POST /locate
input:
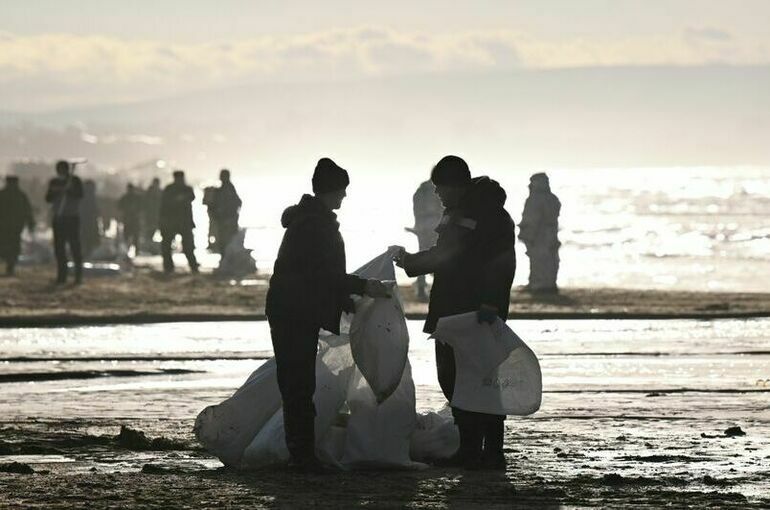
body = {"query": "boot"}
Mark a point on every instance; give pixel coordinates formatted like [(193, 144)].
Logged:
[(493, 458), (469, 452)]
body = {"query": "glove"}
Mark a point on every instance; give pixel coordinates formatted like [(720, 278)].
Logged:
[(398, 255), (486, 313), (376, 289)]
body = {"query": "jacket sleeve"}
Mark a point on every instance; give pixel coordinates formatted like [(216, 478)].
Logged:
[(451, 244)]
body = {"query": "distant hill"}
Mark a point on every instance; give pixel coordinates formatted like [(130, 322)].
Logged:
[(614, 116)]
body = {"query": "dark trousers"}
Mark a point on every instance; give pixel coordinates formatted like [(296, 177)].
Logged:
[(10, 247), (188, 248), (66, 231), (295, 344), (477, 430)]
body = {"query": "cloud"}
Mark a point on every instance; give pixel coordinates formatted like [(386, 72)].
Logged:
[(707, 34), (58, 70)]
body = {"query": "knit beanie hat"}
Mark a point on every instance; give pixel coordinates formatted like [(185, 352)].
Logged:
[(329, 177), (451, 171)]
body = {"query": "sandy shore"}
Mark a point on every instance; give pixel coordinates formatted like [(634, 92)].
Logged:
[(30, 299)]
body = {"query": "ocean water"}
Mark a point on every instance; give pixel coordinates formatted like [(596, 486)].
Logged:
[(661, 228)]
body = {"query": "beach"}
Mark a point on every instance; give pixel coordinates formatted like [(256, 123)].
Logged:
[(636, 413), (31, 299)]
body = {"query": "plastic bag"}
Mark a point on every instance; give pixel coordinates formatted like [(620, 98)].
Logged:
[(378, 335), (378, 434), (435, 436), (496, 372), (226, 429)]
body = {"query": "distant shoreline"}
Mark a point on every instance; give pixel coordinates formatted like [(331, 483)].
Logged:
[(72, 320)]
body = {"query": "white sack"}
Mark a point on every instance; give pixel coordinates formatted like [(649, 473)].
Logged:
[(496, 372), (378, 335), (435, 436), (334, 366), (226, 429), (378, 434)]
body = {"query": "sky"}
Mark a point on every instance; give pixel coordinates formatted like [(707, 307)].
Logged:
[(56, 54), (541, 82)]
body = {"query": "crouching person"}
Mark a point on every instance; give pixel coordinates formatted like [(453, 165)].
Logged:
[(308, 291), (473, 264)]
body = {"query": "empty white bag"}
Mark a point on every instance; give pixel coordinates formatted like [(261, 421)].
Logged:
[(378, 335), (496, 372)]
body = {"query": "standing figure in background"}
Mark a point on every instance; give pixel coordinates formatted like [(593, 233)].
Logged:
[(90, 237), (226, 207), (473, 264), (427, 215), (209, 200), (15, 214), (151, 213), (65, 191), (176, 219), (538, 231), (130, 207)]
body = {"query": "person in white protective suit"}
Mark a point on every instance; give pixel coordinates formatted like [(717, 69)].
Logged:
[(538, 231)]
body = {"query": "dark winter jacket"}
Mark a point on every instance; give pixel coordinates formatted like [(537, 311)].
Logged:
[(64, 194), (474, 261), (15, 212), (176, 208), (309, 281)]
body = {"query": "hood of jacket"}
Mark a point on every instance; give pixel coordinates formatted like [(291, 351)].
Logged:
[(308, 207), (484, 194)]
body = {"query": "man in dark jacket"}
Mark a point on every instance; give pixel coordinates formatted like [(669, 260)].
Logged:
[(473, 264), (308, 291), (226, 207), (65, 191), (151, 213), (130, 207), (15, 214), (176, 219)]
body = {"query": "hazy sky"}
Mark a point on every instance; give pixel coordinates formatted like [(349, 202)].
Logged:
[(59, 54)]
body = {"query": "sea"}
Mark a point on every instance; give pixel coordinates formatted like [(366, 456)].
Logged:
[(702, 229)]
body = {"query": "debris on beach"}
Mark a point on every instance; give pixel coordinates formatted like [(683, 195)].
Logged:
[(18, 468), (729, 432), (132, 439)]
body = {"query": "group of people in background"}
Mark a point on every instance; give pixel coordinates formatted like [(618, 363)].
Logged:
[(141, 214)]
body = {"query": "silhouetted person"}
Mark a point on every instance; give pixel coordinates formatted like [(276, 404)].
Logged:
[(538, 231), (176, 219), (308, 291), (90, 237), (130, 206), (65, 191), (15, 214), (473, 264), (209, 200), (427, 215), (151, 211), (226, 207)]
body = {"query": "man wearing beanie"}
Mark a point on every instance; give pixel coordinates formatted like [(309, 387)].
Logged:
[(473, 264), (308, 291)]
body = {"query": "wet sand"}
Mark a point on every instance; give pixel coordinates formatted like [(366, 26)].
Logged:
[(635, 415), (148, 296)]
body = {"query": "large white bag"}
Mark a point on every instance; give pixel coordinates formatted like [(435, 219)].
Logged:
[(334, 366), (228, 428), (435, 436), (378, 335), (378, 434), (496, 372)]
